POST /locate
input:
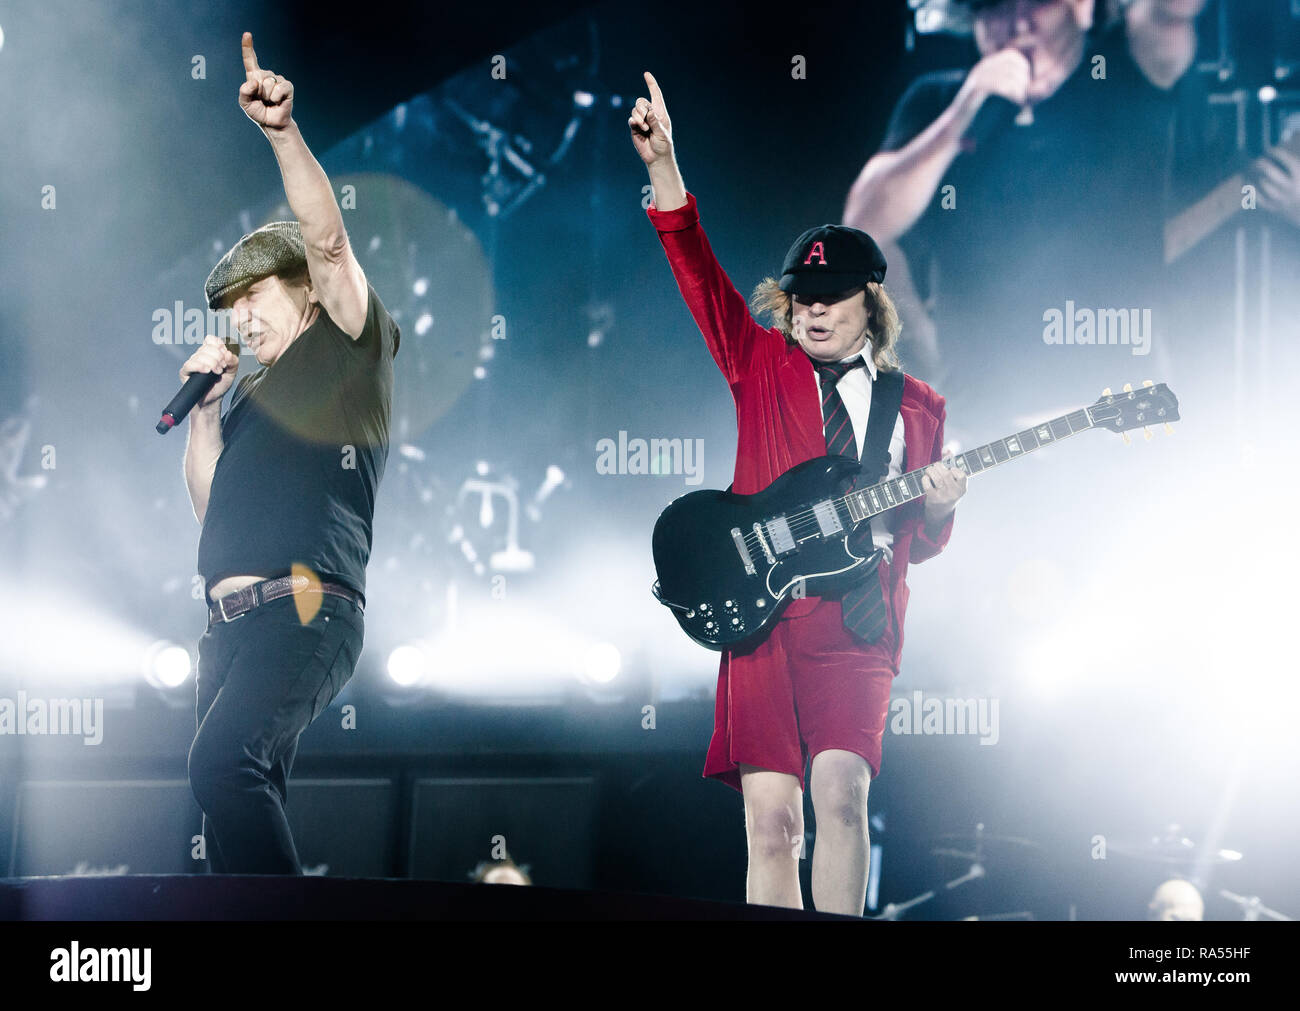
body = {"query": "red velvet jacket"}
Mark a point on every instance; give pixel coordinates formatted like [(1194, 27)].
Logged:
[(778, 408)]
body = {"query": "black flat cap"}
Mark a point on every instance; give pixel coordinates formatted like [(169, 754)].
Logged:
[(276, 248)]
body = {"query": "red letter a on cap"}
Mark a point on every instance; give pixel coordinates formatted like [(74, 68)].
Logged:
[(818, 252)]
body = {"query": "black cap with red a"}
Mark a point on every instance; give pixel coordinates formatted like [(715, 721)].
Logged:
[(831, 259)]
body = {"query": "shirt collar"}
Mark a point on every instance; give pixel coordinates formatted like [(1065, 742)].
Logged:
[(868, 364)]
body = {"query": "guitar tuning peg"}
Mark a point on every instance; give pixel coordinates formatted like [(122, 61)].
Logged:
[(1169, 429), (1128, 387), (1147, 382), (1127, 440), (1106, 392), (1147, 432)]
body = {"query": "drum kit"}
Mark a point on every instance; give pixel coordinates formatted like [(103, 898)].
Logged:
[(1181, 865)]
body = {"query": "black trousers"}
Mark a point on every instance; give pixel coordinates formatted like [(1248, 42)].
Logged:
[(262, 679)]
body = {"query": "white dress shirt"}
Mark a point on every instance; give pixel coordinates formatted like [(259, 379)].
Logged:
[(855, 390)]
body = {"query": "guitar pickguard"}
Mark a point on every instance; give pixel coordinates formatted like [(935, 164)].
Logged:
[(813, 580)]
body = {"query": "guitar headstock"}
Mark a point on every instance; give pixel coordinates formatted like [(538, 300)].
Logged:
[(1151, 404)]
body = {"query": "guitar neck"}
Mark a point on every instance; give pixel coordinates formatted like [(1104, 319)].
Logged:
[(864, 503)]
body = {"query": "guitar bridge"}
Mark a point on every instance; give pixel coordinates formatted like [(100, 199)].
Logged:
[(743, 548)]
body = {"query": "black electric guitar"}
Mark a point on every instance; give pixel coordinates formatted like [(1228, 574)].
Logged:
[(728, 564)]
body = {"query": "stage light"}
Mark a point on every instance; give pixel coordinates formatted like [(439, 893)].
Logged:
[(423, 323), (602, 663), (420, 287), (167, 665), (504, 652), (583, 99), (2, 38), (1267, 94), (407, 665), (66, 639)]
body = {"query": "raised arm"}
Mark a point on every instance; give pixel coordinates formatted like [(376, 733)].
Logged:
[(340, 283), (894, 187), (719, 310)]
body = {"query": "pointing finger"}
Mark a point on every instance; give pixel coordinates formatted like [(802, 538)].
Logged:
[(250, 57), (656, 95)]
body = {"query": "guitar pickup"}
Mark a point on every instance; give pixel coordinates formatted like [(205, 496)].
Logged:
[(745, 557), (779, 532), (827, 518)]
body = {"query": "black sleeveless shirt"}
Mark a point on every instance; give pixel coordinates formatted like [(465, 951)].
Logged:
[(305, 443)]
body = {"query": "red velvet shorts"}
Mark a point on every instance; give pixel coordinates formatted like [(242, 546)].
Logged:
[(810, 686)]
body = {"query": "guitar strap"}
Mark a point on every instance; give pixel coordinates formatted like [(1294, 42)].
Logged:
[(863, 604), (886, 398)]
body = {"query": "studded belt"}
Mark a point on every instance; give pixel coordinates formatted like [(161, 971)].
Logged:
[(239, 603)]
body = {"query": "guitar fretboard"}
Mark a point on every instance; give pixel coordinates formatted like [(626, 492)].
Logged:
[(878, 498)]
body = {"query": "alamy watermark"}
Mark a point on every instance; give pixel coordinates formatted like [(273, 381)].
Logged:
[(651, 456), (943, 714), (62, 717), (1081, 325), (175, 324)]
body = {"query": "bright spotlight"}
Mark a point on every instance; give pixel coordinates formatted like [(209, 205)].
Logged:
[(602, 663), (407, 665), (167, 665), (2, 38)]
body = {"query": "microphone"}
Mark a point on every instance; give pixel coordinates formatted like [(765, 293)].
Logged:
[(194, 390), (1026, 115)]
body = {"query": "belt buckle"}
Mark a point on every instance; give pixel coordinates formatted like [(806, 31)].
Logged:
[(221, 606)]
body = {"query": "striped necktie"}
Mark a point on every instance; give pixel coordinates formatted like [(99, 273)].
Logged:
[(864, 604)]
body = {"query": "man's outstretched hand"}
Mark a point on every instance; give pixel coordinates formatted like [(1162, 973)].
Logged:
[(265, 98), (652, 131)]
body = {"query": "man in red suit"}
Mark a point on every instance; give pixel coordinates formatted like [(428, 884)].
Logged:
[(817, 687)]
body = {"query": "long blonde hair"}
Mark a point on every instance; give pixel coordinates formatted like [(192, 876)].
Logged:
[(883, 324)]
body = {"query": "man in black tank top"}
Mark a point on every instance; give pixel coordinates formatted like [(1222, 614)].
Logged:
[(284, 485)]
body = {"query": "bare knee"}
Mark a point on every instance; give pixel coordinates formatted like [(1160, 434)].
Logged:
[(773, 816), (840, 781)]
